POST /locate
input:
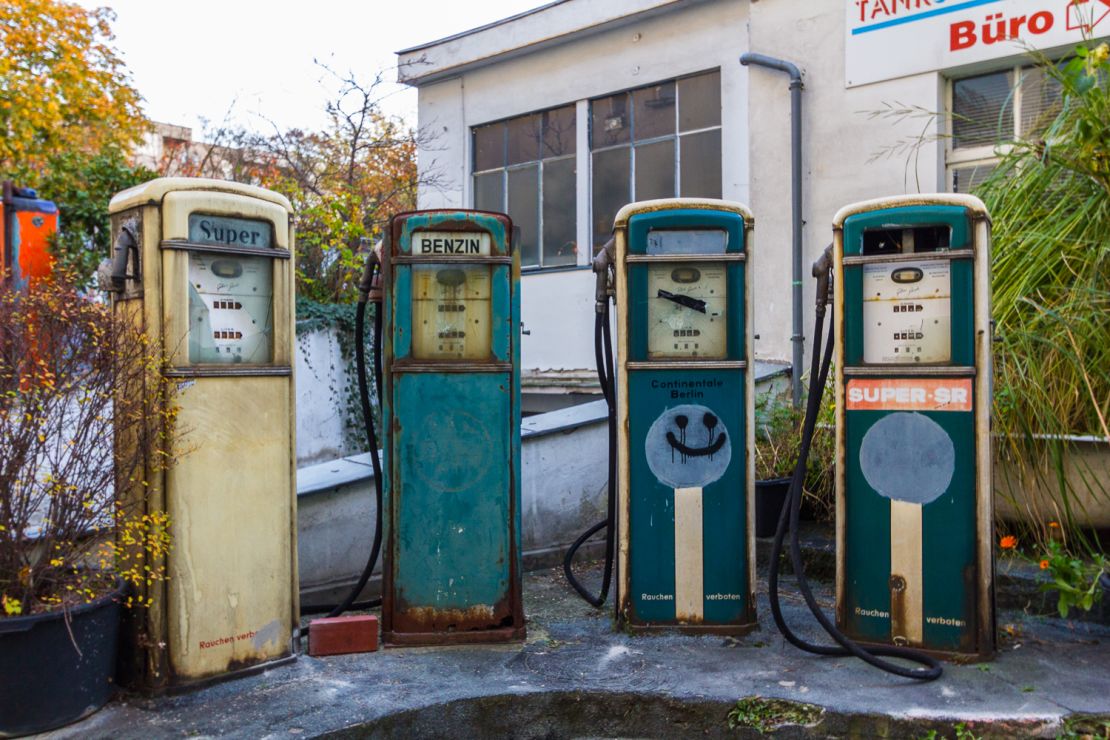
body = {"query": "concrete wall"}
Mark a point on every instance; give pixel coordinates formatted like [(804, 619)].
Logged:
[(320, 375)]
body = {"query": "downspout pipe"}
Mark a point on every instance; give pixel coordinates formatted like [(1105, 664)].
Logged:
[(797, 337)]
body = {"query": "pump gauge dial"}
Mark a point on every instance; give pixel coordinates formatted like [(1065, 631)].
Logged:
[(687, 310), (451, 312)]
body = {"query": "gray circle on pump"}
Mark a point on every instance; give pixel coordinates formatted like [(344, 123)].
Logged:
[(699, 430), (907, 457)]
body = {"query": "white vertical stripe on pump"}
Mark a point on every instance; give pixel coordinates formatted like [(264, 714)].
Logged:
[(689, 598), (906, 604)]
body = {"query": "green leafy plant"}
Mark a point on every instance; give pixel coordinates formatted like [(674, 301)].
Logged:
[(766, 715), (1049, 198), (778, 438), (1074, 580)]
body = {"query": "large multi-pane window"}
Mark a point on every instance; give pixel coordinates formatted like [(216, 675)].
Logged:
[(989, 112), (525, 167), (659, 141)]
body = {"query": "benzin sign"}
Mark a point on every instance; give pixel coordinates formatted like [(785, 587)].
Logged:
[(451, 242), (887, 39)]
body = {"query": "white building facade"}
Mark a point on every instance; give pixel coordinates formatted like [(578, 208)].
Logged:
[(560, 115)]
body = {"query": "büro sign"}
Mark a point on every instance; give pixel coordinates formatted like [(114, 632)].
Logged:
[(887, 39)]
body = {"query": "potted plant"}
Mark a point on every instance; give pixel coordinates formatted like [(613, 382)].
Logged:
[(71, 376), (778, 441)]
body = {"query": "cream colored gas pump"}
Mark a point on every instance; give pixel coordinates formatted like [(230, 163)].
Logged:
[(206, 266)]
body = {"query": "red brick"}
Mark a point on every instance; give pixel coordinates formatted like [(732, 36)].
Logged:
[(340, 635)]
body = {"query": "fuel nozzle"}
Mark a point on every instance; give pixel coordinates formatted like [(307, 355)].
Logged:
[(603, 268), (370, 286), (822, 270)]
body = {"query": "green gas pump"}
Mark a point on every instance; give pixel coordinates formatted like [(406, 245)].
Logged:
[(451, 420), (684, 411), (913, 397)]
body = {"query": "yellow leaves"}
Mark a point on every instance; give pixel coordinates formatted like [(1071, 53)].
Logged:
[(12, 606), (57, 562)]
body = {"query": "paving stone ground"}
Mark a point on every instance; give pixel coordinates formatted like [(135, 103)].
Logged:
[(575, 677)]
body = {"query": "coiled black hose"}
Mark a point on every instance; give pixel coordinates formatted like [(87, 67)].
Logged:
[(789, 520), (603, 358), (334, 610)]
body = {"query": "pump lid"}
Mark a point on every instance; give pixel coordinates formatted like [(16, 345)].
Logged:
[(668, 204), (962, 200), (153, 191)]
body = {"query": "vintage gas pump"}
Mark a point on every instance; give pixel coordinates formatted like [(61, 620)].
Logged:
[(26, 224), (684, 398), (913, 398), (451, 415), (206, 266)]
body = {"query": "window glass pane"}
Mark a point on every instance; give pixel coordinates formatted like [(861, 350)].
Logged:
[(489, 147), (610, 190), (700, 165), (524, 139), (559, 213), (654, 111), (699, 101), (655, 170), (983, 110), (488, 193), (1041, 101), (968, 177), (610, 123), (558, 132), (524, 210)]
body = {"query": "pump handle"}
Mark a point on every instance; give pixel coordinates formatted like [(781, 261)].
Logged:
[(603, 266)]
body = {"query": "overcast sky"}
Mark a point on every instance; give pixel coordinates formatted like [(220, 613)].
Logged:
[(202, 58)]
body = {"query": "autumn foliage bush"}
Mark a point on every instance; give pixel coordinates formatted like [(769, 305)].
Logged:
[(84, 413)]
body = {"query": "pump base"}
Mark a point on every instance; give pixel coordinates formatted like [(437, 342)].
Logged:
[(734, 630), (419, 639), (947, 656)]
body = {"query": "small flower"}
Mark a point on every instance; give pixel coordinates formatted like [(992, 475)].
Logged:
[(1009, 542), (1056, 525), (1044, 565)]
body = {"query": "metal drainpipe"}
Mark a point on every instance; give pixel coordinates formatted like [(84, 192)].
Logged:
[(798, 337)]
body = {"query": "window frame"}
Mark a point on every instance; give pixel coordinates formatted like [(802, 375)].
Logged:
[(676, 136), (505, 169), (990, 154)]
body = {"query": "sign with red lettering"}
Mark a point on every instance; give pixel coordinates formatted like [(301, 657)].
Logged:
[(908, 394), (887, 39)]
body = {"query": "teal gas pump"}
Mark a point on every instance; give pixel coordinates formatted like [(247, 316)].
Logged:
[(910, 278), (913, 385), (451, 420), (683, 396)]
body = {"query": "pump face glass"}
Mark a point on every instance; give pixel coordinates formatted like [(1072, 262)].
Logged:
[(907, 312), (687, 304), (451, 312), (230, 308)]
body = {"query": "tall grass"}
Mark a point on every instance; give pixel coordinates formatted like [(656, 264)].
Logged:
[(1049, 199)]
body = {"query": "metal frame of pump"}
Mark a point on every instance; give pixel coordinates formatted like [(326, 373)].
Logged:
[(686, 215)]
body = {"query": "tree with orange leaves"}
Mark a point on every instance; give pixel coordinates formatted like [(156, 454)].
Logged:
[(63, 88)]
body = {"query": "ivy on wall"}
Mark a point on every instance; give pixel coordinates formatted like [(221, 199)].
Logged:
[(343, 381)]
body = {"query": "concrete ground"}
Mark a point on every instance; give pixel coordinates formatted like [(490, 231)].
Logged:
[(575, 677)]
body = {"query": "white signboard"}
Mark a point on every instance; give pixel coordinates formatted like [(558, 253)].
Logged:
[(451, 242), (886, 39)]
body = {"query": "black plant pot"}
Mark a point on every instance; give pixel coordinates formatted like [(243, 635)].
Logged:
[(1103, 606), (52, 674), (770, 497)]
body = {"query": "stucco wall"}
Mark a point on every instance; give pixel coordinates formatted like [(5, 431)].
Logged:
[(557, 308), (840, 138)]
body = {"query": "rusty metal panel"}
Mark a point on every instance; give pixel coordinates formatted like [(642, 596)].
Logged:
[(451, 410)]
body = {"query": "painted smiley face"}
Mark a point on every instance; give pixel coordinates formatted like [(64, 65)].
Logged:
[(688, 446)]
